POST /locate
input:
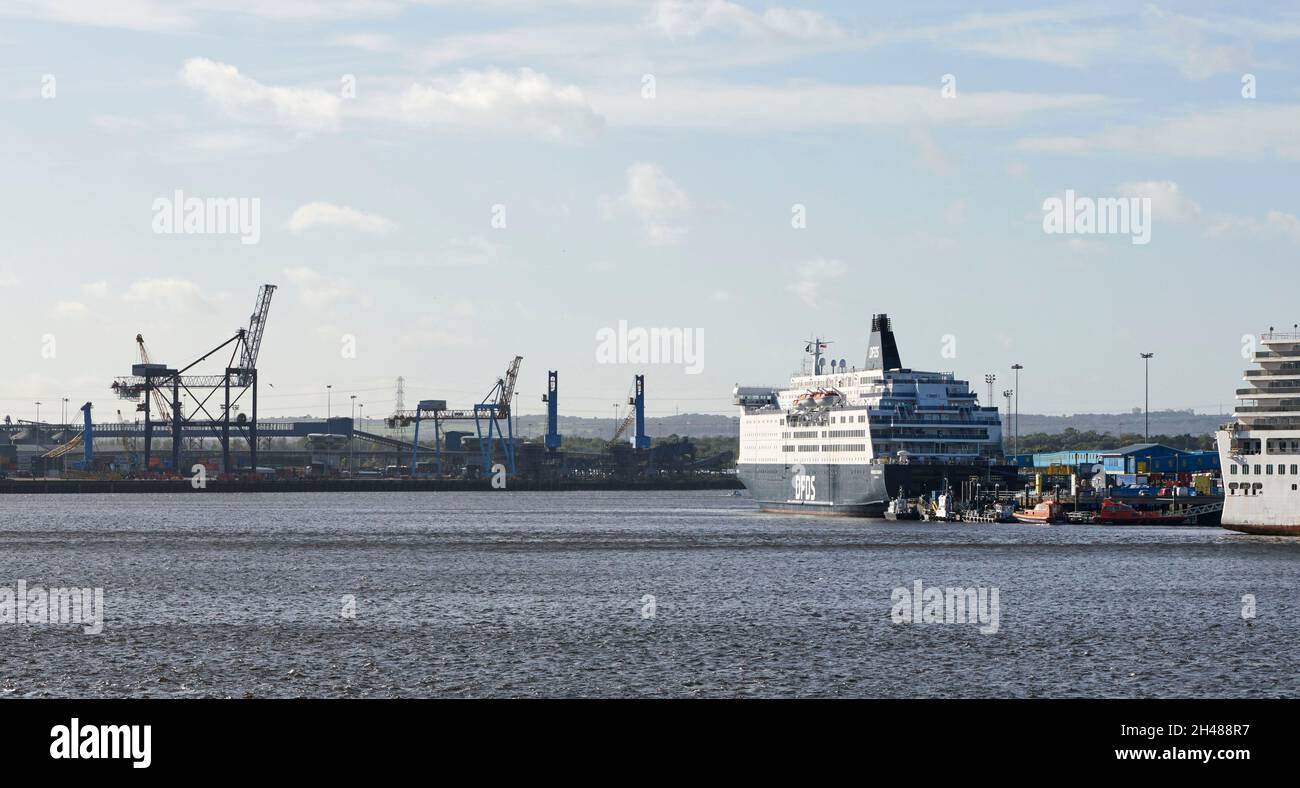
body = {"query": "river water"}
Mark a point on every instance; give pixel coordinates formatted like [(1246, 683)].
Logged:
[(658, 594)]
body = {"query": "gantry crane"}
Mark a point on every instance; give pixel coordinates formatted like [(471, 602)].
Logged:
[(159, 401), (489, 412), (148, 378)]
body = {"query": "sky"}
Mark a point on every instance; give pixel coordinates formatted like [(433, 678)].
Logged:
[(441, 185)]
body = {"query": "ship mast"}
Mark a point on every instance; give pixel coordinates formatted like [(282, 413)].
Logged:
[(814, 347)]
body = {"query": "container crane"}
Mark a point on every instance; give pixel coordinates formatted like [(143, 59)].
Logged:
[(487, 413), (159, 401), (147, 378)]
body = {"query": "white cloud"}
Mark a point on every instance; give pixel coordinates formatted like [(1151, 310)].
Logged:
[(7, 279), (69, 308), (693, 17), (656, 201), (1285, 223), (1274, 222), (1249, 131), (368, 42), (220, 142), (157, 16), (117, 124), (169, 16), (812, 274), (1168, 204), (246, 98), (475, 250), (799, 106), (500, 102), (177, 294), (329, 215), (1184, 42), (320, 291), (95, 289)]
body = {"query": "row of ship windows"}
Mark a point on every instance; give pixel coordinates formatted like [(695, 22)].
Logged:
[(1247, 488), (842, 420), (828, 447), (824, 434), (1268, 470), (1275, 446)]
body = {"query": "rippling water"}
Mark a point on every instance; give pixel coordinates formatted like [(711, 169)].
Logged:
[(541, 594)]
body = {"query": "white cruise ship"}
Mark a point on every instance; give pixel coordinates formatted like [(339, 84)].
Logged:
[(844, 441), (1259, 450)]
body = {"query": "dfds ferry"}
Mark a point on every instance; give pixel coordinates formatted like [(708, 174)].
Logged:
[(845, 440)]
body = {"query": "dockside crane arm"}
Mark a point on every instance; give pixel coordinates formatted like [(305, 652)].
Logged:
[(256, 325)]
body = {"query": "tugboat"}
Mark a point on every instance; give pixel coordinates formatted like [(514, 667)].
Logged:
[(1116, 513), (901, 508), (1045, 513), (943, 509)]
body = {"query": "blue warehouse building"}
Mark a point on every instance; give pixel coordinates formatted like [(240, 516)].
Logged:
[(1132, 459), (1157, 458)]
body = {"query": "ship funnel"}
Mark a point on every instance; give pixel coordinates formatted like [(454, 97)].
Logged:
[(882, 350)]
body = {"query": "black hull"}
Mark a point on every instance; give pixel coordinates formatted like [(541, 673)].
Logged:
[(855, 490)]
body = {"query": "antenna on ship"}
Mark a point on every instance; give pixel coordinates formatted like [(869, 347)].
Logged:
[(814, 348)]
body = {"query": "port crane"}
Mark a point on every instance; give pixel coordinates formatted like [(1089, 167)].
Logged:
[(489, 413), (159, 400), (148, 378), (635, 415)]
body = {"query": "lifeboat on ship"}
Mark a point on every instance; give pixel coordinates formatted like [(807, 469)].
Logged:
[(827, 397)]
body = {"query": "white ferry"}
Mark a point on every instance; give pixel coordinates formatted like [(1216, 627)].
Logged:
[(1259, 450), (845, 440)]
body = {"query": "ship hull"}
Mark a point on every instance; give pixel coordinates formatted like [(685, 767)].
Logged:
[(1263, 530), (852, 490), (1263, 506)]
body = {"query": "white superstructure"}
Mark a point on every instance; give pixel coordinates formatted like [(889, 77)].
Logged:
[(1259, 450), (882, 413)]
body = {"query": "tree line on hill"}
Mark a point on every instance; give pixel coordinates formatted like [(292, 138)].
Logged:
[(1074, 440)]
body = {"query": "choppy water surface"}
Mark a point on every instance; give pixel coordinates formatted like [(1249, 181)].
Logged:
[(541, 594)]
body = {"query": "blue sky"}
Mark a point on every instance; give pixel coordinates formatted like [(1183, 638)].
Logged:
[(665, 210)]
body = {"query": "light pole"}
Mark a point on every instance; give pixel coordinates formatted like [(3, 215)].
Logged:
[(352, 439), (1016, 432), (1146, 405), (65, 410), (989, 379), (38, 416), (1008, 394), (329, 398)]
